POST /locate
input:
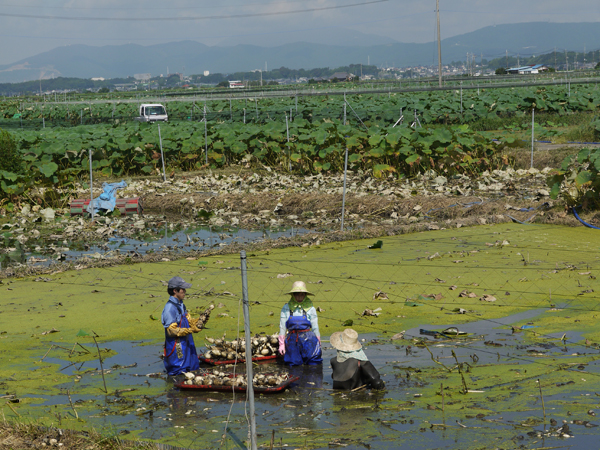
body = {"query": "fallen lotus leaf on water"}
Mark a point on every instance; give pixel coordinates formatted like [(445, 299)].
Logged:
[(380, 295), (398, 336), (377, 244), (369, 312), (468, 294), (53, 330)]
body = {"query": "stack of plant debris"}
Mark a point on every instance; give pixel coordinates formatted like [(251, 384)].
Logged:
[(219, 378), (223, 350)]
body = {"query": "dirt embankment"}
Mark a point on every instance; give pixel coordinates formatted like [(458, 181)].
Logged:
[(373, 208)]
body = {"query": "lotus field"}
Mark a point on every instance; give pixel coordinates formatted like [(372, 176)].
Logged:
[(312, 140), (433, 107)]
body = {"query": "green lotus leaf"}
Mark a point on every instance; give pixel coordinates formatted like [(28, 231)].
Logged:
[(48, 169), (584, 178)]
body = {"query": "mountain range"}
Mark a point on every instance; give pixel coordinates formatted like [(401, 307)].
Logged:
[(343, 48)]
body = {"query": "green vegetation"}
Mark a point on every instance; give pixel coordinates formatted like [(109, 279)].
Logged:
[(10, 158), (578, 179), (317, 138)]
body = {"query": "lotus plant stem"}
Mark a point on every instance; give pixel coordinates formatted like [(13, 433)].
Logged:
[(91, 187), (532, 133), (13, 409), (542, 397), (51, 347), (344, 190), (86, 350), (466, 389), (436, 361), (101, 367), (162, 156), (442, 391), (72, 407)]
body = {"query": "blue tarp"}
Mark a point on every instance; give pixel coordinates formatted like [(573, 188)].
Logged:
[(107, 201)]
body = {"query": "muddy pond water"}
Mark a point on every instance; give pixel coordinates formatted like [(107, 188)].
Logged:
[(311, 415), (527, 366), (152, 241)]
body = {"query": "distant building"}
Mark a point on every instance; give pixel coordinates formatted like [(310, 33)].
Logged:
[(532, 69), (341, 76), (206, 73), (142, 76), (236, 85), (98, 79)]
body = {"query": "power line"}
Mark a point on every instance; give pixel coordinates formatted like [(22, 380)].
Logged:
[(188, 18), (146, 8)]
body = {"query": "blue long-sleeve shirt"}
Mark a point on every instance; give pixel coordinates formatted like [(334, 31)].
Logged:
[(173, 312), (311, 315)]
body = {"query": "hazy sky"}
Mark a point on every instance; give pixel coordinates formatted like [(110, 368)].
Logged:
[(28, 27)]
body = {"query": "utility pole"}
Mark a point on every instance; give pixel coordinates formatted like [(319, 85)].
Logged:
[(554, 58), (437, 7), (507, 59)]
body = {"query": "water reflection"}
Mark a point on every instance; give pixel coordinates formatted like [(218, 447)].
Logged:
[(156, 240)]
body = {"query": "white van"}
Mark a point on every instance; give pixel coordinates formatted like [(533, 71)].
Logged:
[(152, 112)]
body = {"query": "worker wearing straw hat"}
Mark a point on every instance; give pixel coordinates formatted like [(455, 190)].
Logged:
[(299, 337), (351, 367)]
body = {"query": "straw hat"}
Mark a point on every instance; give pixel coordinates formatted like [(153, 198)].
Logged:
[(299, 286), (346, 341)]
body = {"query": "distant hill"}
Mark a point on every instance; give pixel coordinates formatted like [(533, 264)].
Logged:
[(117, 61)]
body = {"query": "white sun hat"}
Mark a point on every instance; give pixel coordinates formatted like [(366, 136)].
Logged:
[(346, 341), (299, 286)]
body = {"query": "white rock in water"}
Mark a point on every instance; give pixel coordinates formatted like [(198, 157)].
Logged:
[(25, 210), (139, 225)]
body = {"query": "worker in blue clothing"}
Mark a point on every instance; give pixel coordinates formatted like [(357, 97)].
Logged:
[(299, 337), (179, 351)]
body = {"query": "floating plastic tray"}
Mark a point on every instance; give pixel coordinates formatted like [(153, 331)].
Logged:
[(217, 362), (450, 333), (261, 389)]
